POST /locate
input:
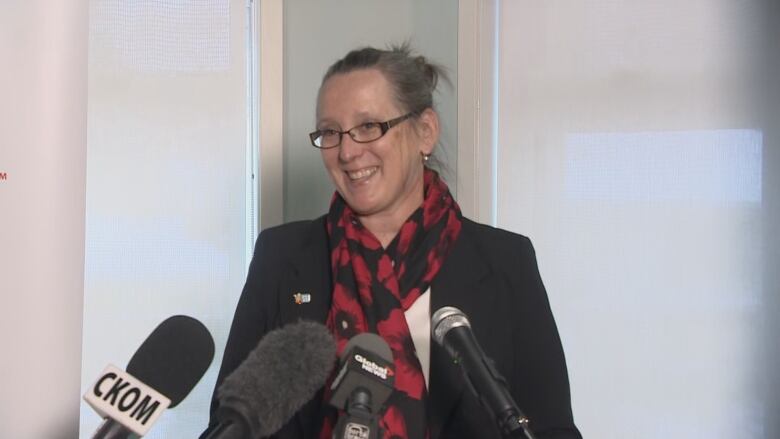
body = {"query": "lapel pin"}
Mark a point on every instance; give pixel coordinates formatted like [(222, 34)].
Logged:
[(301, 298)]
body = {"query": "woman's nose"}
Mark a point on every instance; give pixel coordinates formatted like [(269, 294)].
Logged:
[(349, 149)]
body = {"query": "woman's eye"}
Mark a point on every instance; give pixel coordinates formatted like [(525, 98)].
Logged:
[(368, 128), (328, 133)]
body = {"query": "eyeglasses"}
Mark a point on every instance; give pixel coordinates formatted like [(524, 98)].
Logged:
[(363, 133)]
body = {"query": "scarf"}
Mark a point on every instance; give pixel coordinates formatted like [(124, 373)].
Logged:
[(374, 286)]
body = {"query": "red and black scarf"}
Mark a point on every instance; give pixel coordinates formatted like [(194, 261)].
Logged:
[(374, 286)]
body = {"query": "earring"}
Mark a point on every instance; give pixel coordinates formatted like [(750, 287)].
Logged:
[(425, 157)]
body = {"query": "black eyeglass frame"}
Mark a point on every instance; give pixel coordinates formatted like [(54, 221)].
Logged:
[(384, 127)]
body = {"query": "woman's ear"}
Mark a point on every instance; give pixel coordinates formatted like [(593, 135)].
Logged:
[(429, 130)]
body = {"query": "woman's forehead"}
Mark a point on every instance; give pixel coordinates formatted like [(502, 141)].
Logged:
[(358, 93)]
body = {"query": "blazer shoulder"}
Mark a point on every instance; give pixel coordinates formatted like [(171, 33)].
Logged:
[(498, 242), (290, 237), (277, 249)]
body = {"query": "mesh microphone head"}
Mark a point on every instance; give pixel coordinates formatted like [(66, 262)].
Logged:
[(445, 319), (279, 376), (174, 357)]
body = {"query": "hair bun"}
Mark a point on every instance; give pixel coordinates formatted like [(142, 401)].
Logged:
[(429, 71)]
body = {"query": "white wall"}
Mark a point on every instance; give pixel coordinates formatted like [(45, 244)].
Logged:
[(43, 131), (166, 183), (316, 34), (638, 148), (768, 105)]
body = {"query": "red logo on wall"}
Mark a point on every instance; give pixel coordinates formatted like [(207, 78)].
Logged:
[(3, 176)]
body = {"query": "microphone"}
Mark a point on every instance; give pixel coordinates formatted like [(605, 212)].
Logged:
[(363, 384), (161, 373), (450, 328), (280, 375)]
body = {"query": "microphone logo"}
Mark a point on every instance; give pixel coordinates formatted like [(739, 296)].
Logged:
[(356, 431), (122, 397), (373, 368)]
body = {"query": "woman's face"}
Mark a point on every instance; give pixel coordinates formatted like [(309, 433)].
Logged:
[(383, 176)]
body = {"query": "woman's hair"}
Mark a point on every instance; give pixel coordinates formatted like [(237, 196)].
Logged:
[(412, 77)]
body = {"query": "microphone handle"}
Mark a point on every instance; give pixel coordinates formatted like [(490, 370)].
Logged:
[(359, 421), (229, 430), (351, 426), (487, 382), (110, 429)]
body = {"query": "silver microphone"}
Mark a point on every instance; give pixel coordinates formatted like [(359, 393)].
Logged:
[(451, 329)]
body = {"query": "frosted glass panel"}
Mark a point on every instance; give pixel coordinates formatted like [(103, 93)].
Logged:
[(635, 149), (166, 183), (171, 35), (722, 166)]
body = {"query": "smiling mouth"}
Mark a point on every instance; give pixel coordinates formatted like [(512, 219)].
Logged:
[(362, 174)]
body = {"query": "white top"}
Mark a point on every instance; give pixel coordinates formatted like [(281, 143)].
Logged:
[(418, 318)]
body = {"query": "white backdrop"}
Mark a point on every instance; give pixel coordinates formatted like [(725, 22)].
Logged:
[(166, 183), (43, 132), (634, 148)]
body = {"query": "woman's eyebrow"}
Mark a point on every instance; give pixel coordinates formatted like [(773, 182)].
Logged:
[(365, 115), (361, 116), (325, 121)]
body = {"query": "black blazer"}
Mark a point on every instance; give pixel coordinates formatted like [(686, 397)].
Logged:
[(491, 275)]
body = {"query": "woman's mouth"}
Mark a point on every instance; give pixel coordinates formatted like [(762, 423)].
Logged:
[(362, 174)]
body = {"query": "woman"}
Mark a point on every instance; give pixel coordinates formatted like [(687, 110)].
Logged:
[(393, 248)]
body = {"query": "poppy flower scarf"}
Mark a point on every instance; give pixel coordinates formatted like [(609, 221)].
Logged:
[(373, 287)]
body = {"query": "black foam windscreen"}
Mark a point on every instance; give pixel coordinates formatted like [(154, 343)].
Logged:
[(174, 357), (288, 366)]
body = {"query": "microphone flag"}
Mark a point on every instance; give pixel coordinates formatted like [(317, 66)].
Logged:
[(120, 396)]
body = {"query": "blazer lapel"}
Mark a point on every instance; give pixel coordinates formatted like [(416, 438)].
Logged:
[(305, 294), (305, 290), (457, 284)]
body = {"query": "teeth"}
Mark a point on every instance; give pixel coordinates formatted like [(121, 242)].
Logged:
[(362, 173)]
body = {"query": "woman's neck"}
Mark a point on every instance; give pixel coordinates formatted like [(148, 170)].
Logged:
[(384, 229), (386, 225)]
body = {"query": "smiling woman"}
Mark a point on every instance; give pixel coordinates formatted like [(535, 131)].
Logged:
[(380, 180), (392, 248)]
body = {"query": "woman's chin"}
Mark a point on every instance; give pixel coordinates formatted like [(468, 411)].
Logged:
[(361, 198), (362, 207)]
